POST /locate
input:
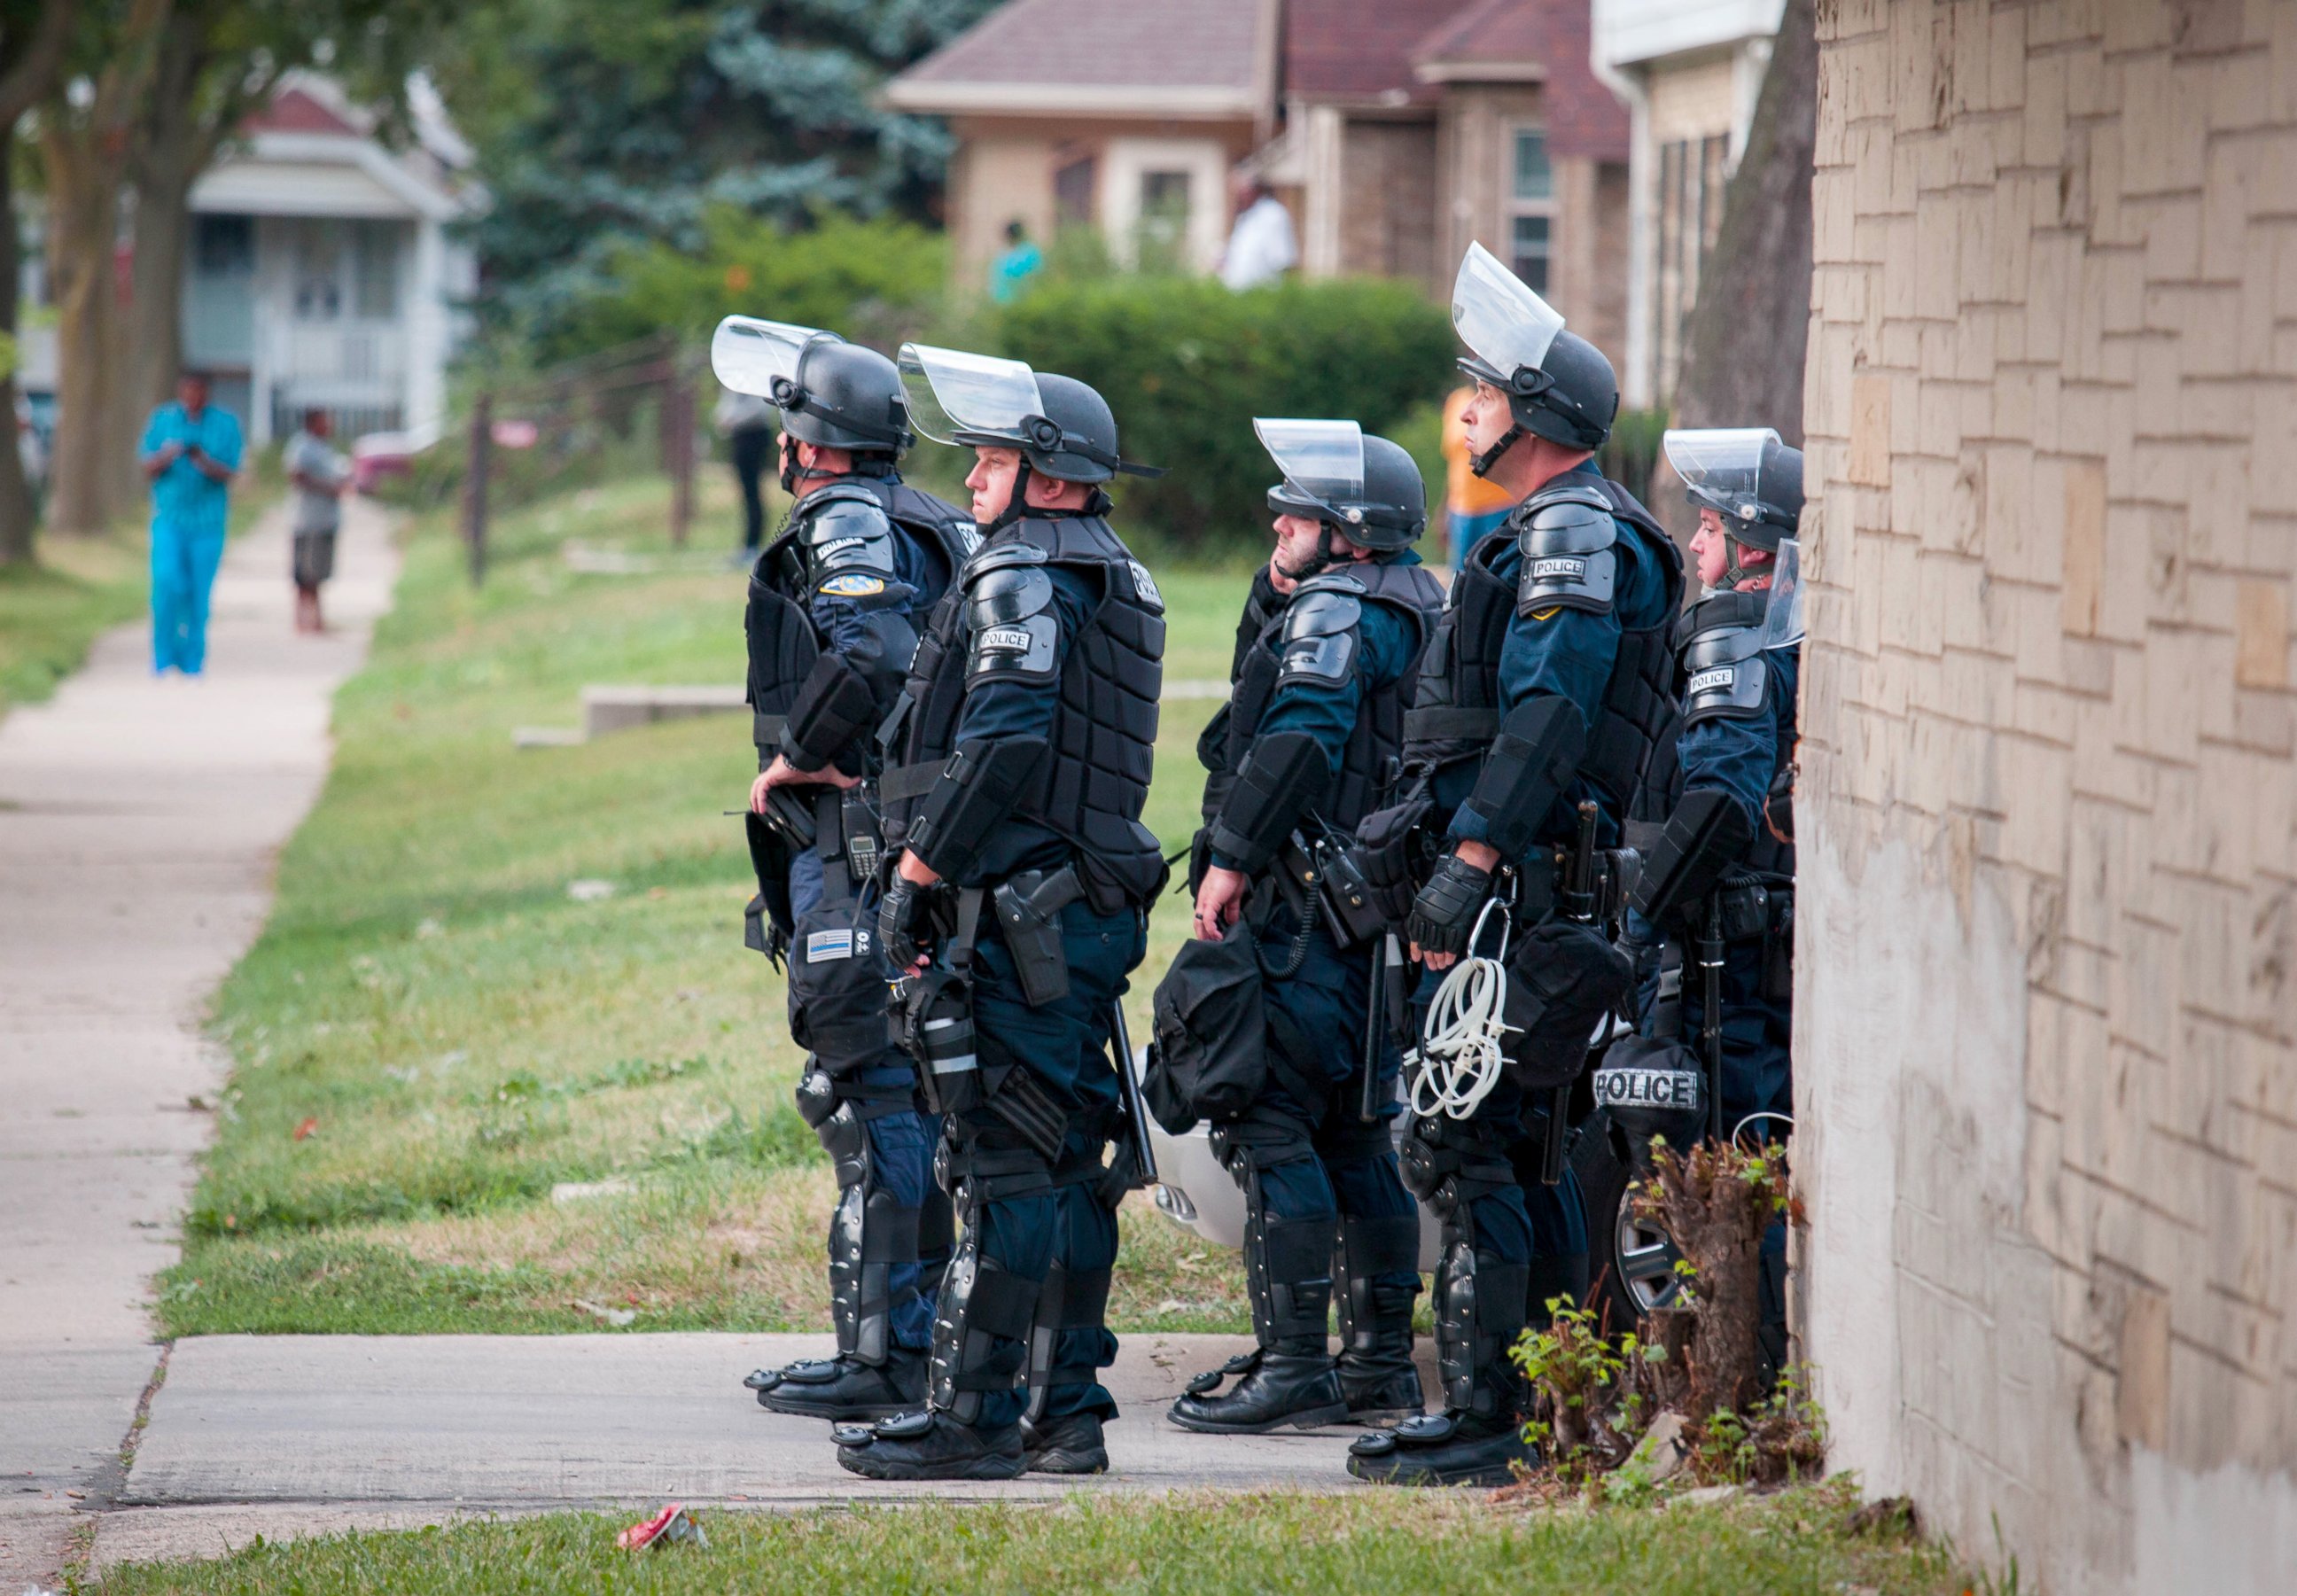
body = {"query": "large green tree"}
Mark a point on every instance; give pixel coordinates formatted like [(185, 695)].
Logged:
[(601, 124)]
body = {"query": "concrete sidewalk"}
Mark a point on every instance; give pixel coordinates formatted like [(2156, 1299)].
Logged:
[(139, 821), (286, 1434)]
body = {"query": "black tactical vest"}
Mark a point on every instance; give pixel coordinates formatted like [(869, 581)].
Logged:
[(1456, 713), (783, 643), (1725, 675), (1090, 790), (1413, 592)]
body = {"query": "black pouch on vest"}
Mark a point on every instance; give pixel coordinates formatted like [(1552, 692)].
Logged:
[(1563, 978), (1778, 950), (1352, 910), (838, 993), (1394, 849), (1210, 1055)]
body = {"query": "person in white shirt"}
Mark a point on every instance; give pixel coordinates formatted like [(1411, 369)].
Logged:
[(321, 476), (1260, 245)]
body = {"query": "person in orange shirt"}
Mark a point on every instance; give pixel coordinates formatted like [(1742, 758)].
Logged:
[(1473, 506)]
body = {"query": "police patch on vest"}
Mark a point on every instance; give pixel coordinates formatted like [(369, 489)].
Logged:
[(824, 945), (822, 551), (1568, 567), (855, 586), (1145, 587), (1004, 639), (1708, 681)]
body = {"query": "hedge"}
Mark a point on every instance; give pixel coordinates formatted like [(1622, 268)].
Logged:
[(1186, 365)]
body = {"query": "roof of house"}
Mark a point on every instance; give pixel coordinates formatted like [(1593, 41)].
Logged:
[(310, 150), (1526, 41), (1360, 51), (1169, 59)]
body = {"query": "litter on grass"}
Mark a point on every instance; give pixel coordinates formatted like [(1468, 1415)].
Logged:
[(673, 1523)]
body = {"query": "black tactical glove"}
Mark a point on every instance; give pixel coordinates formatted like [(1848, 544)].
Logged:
[(905, 922), (1443, 914)]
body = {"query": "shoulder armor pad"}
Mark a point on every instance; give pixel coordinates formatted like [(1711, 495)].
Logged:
[(1720, 612), (1320, 637), (1006, 593), (1334, 581), (1569, 561), (846, 534), (997, 555), (1725, 676)]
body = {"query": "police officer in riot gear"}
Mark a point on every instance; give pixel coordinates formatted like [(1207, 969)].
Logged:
[(1719, 874), (1298, 757), (1020, 761), (1543, 689), (833, 604)]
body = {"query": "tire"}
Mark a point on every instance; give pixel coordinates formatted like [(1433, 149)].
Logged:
[(1630, 1264)]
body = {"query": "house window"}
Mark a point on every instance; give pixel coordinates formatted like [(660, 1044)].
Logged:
[(1163, 218), (1073, 193), (1692, 175), (223, 245), (1531, 208), (316, 258), (375, 270)]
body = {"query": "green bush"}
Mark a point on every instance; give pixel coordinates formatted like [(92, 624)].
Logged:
[(1186, 365), (876, 282)]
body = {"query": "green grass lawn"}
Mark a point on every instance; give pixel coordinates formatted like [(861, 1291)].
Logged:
[(430, 1033), (51, 610), (1792, 1545)]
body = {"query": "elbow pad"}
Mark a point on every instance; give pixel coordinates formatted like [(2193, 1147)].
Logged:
[(978, 788), (1530, 764), (1281, 777), (833, 709), (1708, 832)]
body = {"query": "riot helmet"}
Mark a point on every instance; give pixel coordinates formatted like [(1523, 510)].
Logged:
[(831, 393), (1366, 488), (1744, 474), (1062, 428), (1559, 386)]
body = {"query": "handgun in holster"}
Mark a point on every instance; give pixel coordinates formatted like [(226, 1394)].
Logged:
[(1029, 918)]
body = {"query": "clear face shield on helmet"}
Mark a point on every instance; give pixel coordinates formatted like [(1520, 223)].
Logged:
[(1505, 326), (761, 358), (959, 397), (1722, 469), (1323, 466), (1783, 618)]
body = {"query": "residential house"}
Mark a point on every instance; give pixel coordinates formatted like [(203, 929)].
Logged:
[(1124, 115), (322, 270), (1395, 131), (1690, 71)]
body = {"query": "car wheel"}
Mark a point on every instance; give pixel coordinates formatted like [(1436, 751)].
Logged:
[(1631, 1261)]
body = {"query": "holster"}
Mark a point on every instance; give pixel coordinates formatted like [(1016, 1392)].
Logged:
[(1029, 917)]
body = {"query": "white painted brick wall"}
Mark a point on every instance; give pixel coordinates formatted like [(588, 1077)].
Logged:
[(2048, 1088)]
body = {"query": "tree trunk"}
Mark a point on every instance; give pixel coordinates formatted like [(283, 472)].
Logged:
[(1743, 359), (16, 511), (81, 236), (173, 149), (1715, 1201)]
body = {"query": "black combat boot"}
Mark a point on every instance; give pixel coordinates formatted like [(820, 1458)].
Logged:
[(1071, 1444), (1272, 1389), (844, 1388), (929, 1446), (1379, 1380), (1443, 1449), (1290, 1379)]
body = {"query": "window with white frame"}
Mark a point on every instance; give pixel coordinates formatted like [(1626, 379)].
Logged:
[(1531, 208)]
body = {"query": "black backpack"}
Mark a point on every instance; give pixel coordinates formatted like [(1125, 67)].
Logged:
[(1209, 1057)]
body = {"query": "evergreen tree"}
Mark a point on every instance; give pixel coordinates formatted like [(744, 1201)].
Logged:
[(602, 123)]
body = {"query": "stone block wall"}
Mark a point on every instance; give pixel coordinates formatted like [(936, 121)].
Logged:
[(2046, 1038)]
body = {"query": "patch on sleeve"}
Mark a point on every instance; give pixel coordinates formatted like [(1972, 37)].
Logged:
[(853, 585), (1548, 613)]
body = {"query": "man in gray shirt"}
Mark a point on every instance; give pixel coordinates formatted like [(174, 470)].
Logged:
[(320, 475)]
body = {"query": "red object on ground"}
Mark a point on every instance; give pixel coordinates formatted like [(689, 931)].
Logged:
[(672, 1524)]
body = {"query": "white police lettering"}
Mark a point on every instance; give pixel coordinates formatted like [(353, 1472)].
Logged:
[(1005, 640), (1718, 680), (1145, 586), (968, 536), (1647, 1089), (1568, 566), (822, 551)]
